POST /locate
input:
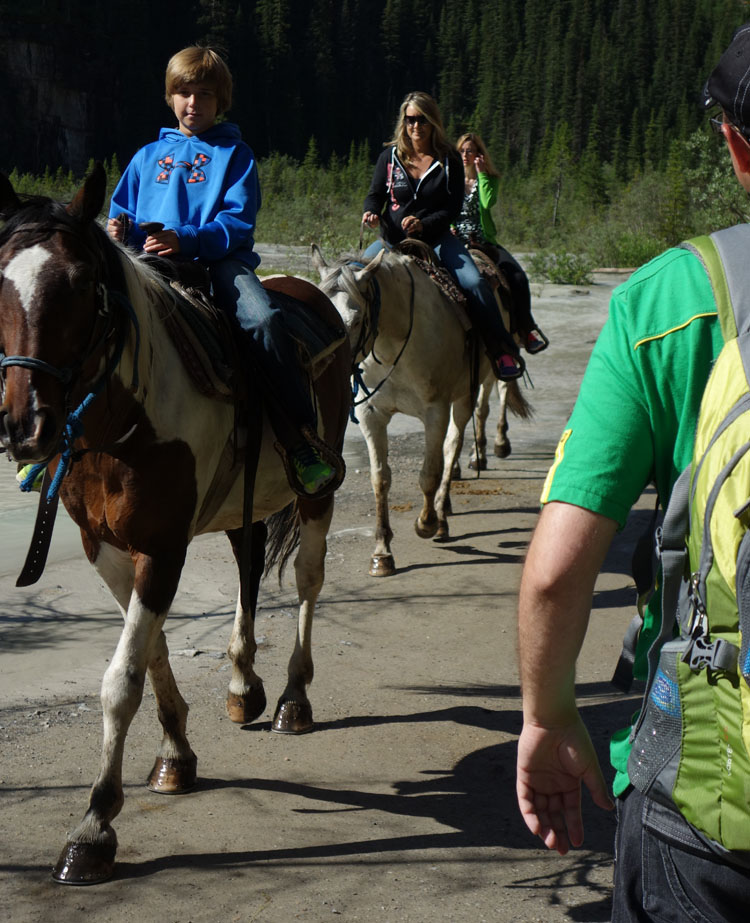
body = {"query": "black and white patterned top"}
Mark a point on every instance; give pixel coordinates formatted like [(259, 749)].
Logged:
[(468, 225)]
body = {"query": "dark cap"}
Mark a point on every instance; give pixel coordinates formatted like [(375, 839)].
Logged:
[(729, 83)]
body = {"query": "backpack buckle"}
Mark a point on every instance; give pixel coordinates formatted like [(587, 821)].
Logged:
[(703, 654)]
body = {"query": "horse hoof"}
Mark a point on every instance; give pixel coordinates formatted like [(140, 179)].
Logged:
[(478, 465), (426, 529), (173, 777), (293, 718), (443, 533), (85, 864), (242, 709), (382, 565), (502, 451)]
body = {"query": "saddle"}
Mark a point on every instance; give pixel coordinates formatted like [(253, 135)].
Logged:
[(206, 339), (207, 343), (424, 257)]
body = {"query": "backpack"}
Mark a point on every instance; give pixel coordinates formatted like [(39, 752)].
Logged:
[(691, 743)]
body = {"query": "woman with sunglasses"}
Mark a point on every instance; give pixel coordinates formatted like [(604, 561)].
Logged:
[(476, 228), (417, 191)]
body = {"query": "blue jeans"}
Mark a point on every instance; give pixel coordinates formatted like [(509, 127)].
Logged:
[(482, 306), (239, 291), (665, 874)]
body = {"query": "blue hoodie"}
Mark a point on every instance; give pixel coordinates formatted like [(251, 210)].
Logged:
[(204, 187)]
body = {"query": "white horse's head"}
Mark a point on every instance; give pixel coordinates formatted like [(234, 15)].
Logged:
[(349, 286)]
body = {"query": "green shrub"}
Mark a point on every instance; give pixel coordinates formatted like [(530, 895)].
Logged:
[(561, 268)]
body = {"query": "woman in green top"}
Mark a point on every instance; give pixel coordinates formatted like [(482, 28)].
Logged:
[(476, 228)]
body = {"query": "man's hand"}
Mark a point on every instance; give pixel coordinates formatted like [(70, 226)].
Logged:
[(552, 763), (162, 243), (370, 219), (555, 753)]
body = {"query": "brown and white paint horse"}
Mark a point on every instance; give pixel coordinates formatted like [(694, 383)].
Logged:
[(416, 359), (78, 311)]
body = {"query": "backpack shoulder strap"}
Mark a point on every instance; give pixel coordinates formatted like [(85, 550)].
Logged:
[(724, 255)]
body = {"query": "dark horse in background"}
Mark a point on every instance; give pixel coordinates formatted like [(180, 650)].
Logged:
[(90, 375)]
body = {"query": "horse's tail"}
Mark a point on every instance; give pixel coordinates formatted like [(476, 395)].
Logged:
[(517, 403), (282, 539)]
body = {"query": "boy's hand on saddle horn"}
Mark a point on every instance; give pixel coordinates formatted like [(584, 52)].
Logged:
[(162, 243)]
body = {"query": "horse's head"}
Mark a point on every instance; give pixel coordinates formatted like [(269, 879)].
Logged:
[(51, 323), (350, 286)]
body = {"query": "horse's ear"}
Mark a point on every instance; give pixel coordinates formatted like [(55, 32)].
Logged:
[(318, 260), (89, 199), (363, 275), (8, 198)]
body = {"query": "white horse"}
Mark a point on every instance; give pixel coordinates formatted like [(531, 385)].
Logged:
[(416, 357), (507, 393)]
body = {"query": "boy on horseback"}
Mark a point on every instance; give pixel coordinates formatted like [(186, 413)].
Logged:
[(199, 182)]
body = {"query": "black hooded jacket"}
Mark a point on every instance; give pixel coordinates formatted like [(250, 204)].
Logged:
[(435, 198)]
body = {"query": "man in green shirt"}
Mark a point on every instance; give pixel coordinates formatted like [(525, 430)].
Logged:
[(633, 424)]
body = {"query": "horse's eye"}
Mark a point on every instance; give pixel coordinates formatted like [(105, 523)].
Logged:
[(81, 279)]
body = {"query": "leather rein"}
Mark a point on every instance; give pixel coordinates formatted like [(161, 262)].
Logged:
[(369, 332)]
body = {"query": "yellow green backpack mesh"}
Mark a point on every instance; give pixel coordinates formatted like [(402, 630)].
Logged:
[(691, 745)]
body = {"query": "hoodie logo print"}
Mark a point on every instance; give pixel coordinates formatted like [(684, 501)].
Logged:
[(197, 175)]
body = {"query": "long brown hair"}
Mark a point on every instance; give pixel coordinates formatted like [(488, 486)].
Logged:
[(427, 106), (481, 148)]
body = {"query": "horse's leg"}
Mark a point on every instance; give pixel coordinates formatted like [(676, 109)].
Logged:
[(502, 442), (460, 414), (478, 460), (246, 699), (89, 855), (374, 426), (174, 770), (293, 711), (435, 427)]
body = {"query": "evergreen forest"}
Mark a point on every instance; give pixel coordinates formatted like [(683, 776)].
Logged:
[(591, 109)]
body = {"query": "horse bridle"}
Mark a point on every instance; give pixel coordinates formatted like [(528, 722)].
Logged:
[(68, 375), (364, 335)]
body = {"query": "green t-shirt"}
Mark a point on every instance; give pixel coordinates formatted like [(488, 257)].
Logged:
[(634, 421)]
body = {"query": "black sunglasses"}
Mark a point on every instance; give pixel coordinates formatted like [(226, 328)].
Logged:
[(416, 119)]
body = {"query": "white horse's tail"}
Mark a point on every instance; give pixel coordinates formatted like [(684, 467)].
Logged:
[(517, 403)]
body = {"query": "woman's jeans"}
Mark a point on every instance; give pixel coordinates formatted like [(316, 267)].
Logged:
[(239, 291), (482, 305), (665, 874)]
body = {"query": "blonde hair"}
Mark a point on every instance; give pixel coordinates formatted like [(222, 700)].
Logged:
[(199, 64), (481, 147), (427, 106)]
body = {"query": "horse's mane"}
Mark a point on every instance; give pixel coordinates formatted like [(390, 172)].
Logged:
[(341, 275), (37, 218)]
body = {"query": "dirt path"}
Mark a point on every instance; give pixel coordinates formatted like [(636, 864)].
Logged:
[(400, 806)]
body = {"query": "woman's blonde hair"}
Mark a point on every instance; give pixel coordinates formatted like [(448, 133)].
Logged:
[(427, 106), (199, 64), (481, 147)]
